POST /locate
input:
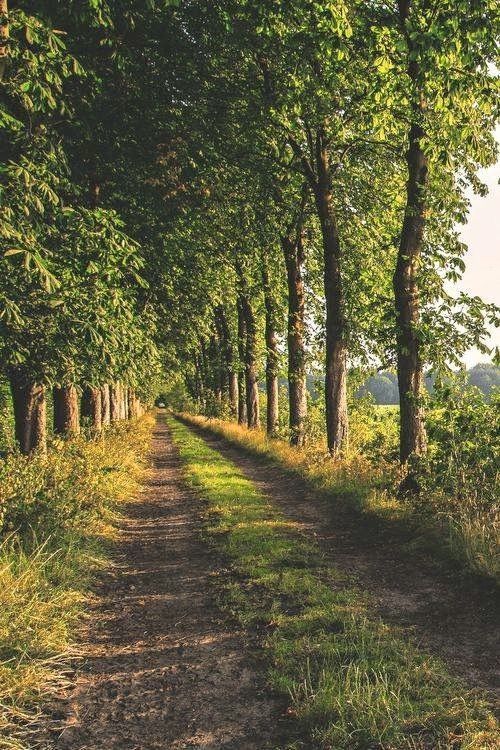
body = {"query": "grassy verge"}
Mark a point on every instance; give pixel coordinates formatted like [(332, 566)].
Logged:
[(353, 683), (468, 542), (56, 516)]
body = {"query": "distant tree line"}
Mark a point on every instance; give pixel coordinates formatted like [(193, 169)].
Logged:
[(384, 385)]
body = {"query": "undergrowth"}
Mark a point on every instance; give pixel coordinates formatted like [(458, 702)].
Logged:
[(353, 682), (457, 523), (57, 514)]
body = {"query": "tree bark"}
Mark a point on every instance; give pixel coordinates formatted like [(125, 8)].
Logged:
[(233, 394), (216, 369), (251, 383), (39, 420), (272, 356), (66, 413), (105, 405), (130, 403), (205, 373), (226, 346), (412, 435), (114, 402), (95, 409), (337, 425), (242, 335), (293, 251), (199, 383), (30, 414), (125, 412)]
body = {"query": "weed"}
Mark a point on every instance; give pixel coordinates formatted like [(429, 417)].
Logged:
[(57, 512), (353, 682)]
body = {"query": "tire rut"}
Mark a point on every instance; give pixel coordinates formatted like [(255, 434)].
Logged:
[(162, 666), (445, 612)]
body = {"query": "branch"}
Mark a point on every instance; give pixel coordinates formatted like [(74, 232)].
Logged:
[(306, 164)]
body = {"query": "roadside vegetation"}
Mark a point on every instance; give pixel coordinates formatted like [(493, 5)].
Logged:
[(353, 683), (58, 513), (455, 513), (213, 198)]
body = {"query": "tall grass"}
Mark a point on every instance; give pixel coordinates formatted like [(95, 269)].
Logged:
[(57, 514), (460, 525), (353, 682)]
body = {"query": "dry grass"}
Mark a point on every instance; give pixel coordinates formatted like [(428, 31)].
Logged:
[(466, 532), (57, 514)]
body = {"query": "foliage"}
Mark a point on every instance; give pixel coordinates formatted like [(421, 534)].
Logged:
[(56, 512), (460, 474), (352, 682)]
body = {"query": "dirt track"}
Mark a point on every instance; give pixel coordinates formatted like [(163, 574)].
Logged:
[(449, 615), (162, 666)]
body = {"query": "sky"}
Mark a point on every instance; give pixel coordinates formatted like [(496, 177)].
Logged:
[(482, 235)]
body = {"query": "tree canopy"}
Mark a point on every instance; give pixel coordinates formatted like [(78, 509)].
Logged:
[(222, 194)]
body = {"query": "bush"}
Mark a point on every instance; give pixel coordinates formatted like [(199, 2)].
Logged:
[(56, 512), (459, 476)]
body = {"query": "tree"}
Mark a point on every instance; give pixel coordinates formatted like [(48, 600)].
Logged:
[(272, 353), (293, 250), (445, 97)]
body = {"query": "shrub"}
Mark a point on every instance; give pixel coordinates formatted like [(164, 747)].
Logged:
[(56, 512), (459, 476)]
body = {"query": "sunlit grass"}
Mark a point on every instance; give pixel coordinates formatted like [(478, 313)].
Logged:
[(58, 514), (353, 682), (468, 536)]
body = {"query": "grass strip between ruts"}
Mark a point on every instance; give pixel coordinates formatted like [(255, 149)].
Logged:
[(353, 682)]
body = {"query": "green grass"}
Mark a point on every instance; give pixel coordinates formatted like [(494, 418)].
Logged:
[(463, 534), (57, 517), (353, 682)]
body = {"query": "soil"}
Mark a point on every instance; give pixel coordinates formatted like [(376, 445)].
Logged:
[(447, 613), (162, 666)]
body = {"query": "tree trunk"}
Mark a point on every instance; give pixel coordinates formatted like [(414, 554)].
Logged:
[(205, 374), (216, 369), (242, 335), (412, 436), (30, 414), (337, 426), (125, 413), (251, 383), (233, 394), (199, 383), (39, 420), (95, 409), (272, 357), (105, 405), (4, 36), (130, 403), (114, 402), (297, 388), (66, 414), (319, 178), (226, 346)]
